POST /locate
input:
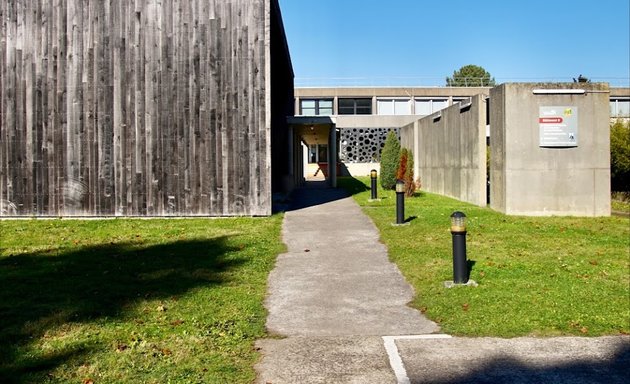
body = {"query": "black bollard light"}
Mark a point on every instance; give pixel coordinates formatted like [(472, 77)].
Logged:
[(373, 185), (458, 231), (400, 202)]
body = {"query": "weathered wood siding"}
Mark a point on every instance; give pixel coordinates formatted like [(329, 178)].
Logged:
[(134, 107)]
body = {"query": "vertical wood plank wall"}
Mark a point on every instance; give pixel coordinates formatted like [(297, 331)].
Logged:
[(133, 108)]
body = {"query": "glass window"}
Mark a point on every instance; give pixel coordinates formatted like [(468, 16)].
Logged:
[(316, 107), (393, 107), (349, 106), (385, 107), (623, 108), (423, 107), (439, 104), (325, 107), (308, 107), (402, 107), (312, 153), (429, 106)]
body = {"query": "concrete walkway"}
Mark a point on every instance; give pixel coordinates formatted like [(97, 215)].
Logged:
[(341, 307)]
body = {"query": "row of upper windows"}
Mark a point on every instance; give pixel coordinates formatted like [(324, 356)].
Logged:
[(363, 106), (620, 107)]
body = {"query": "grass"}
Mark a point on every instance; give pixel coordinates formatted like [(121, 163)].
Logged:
[(537, 276), (134, 301)]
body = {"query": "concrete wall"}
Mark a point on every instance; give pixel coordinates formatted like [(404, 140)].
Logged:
[(450, 151), (528, 179)]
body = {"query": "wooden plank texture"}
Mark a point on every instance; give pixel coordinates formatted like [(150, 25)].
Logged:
[(133, 108)]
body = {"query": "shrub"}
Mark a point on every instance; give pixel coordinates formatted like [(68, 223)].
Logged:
[(620, 156), (405, 171), (389, 161), (410, 185), (402, 164)]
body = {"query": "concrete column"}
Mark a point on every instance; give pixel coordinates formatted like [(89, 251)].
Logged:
[(332, 156), (416, 149), (291, 152)]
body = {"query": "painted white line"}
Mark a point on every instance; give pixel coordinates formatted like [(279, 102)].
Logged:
[(395, 361)]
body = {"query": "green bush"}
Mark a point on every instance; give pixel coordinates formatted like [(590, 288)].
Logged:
[(390, 157), (620, 156)]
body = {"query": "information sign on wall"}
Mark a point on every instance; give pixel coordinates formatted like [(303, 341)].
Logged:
[(558, 126)]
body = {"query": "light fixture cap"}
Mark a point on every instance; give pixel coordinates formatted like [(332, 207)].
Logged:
[(458, 222)]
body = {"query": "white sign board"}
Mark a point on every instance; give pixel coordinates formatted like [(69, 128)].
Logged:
[(558, 126)]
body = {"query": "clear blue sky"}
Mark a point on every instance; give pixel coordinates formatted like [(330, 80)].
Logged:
[(420, 42)]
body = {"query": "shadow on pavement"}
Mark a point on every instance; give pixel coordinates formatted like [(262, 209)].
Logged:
[(314, 193)]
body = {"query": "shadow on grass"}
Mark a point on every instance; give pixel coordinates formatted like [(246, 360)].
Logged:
[(41, 291)]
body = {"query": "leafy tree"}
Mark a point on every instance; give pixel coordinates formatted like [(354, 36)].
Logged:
[(620, 156), (470, 76), (389, 161)]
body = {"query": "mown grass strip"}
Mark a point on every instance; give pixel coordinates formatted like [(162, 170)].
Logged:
[(134, 301), (541, 276)]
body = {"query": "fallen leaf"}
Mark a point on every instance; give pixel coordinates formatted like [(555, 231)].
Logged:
[(177, 322), (465, 306), (88, 381), (593, 262), (584, 330), (166, 352)]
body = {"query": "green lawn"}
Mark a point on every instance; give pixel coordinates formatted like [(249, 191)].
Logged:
[(134, 301), (540, 276)]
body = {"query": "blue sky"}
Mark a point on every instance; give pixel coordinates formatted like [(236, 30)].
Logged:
[(420, 42)]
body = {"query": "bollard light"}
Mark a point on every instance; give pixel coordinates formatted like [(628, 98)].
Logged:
[(400, 202), (373, 175), (458, 232), (458, 222)]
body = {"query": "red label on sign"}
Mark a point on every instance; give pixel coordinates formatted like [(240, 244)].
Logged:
[(550, 120)]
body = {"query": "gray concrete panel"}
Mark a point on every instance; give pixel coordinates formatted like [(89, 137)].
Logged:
[(529, 179), (452, 151), (573, 360), (300, 360)]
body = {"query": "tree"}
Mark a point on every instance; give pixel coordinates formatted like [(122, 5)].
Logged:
[(470, 76), (405, 171), (410, 184), (620, 156), (389, 161)]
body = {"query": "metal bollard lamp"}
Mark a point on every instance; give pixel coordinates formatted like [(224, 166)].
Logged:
[(373, 175), (400, 202), (458, 232)]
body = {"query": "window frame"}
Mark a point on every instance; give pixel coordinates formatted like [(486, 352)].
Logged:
[(318, 106), (342, 110)]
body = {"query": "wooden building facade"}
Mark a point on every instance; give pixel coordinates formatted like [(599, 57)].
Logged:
[(142, 107)]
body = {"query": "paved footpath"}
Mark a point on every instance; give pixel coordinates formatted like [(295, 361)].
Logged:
[(338, 307)]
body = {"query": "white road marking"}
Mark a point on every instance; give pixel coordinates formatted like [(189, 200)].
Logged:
[(394, 356)]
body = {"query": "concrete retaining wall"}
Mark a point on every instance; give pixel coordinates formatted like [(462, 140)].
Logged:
[(450, 151), (530, 179)]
